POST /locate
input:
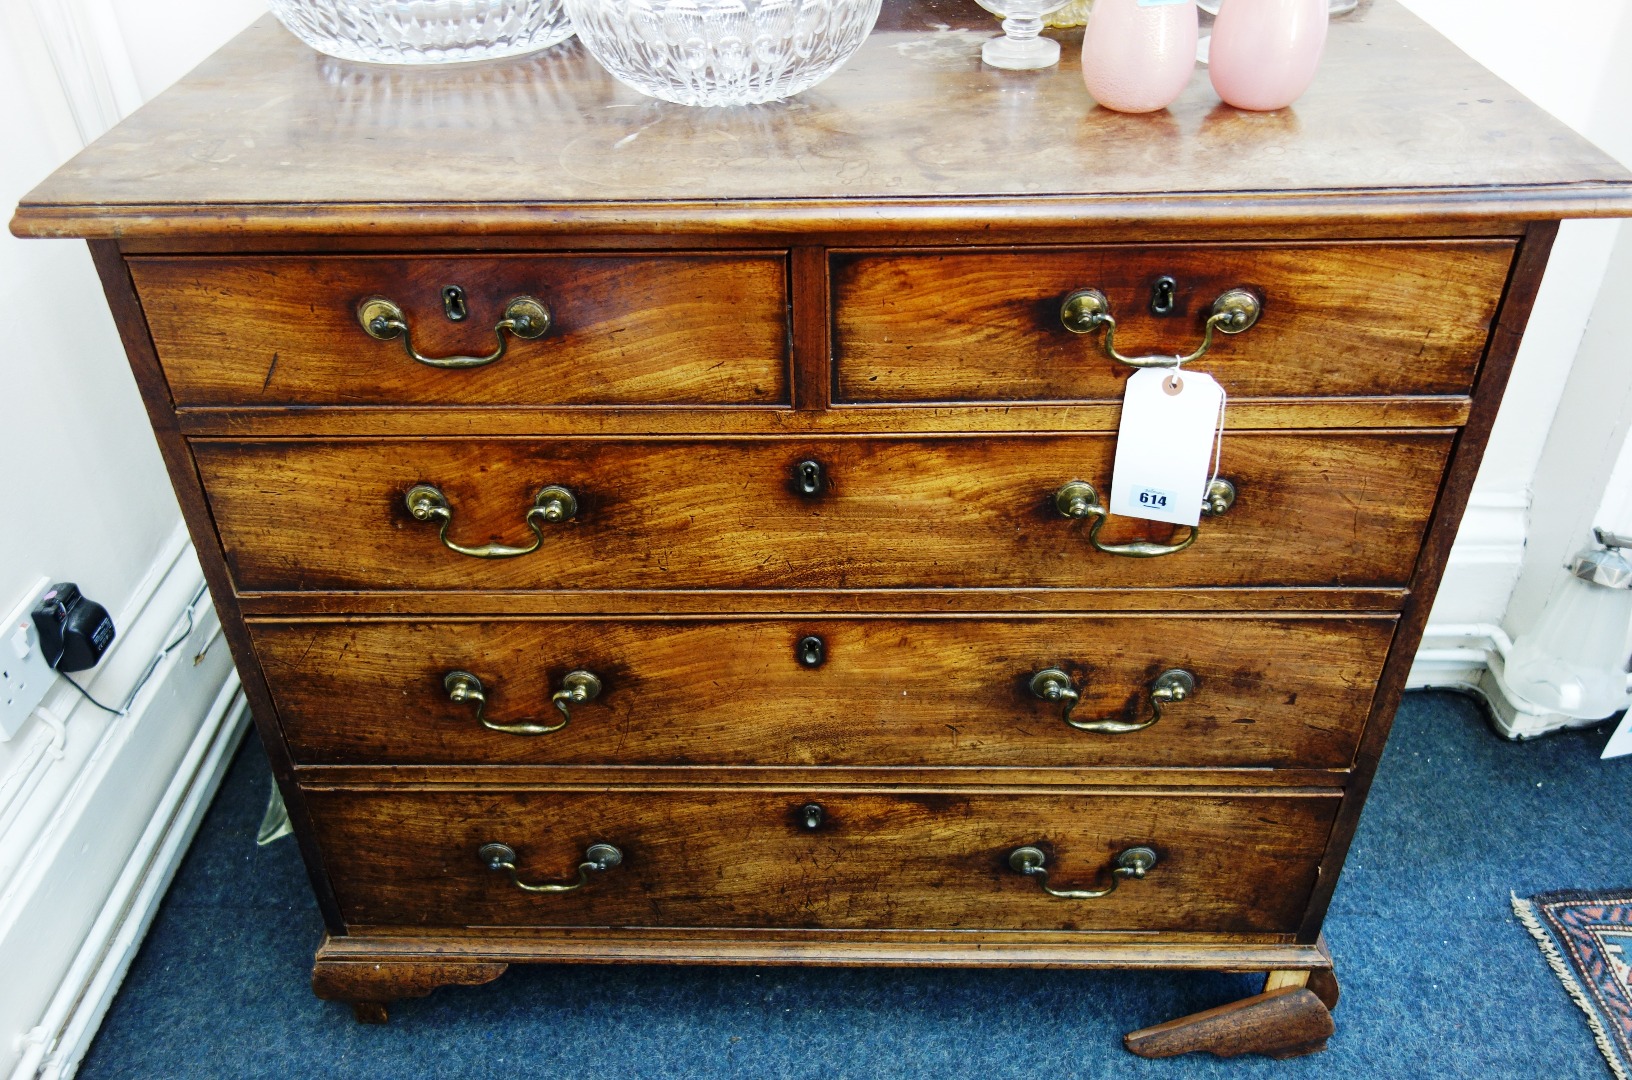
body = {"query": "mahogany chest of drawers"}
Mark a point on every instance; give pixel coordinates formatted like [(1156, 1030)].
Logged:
[(676, 535)]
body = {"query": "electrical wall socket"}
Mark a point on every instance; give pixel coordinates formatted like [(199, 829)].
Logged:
[(24, 674)]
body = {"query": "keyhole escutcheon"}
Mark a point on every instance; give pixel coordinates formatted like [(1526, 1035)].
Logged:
[(812, 651), (453, 303), (808, 476), (1164, 295)]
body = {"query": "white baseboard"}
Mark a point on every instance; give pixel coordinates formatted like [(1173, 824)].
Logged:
[(56, 1046), (96, 828), (1463, 646), (1470, 658)]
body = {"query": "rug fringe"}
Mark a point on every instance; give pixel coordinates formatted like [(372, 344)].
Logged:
[(1526, 913)]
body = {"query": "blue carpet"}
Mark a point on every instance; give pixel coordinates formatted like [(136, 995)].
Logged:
[(1438, 978)]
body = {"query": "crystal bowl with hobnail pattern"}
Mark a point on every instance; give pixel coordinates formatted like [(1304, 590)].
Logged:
[(722, 52), (424, 31)]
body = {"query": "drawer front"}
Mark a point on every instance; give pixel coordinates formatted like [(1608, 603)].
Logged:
[(887, 691), (719, 858), (1338, 319), (1312, 509), (643, 330)]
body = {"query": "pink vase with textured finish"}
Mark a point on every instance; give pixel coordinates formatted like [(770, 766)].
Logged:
[(1265, 52), (1137, 55)]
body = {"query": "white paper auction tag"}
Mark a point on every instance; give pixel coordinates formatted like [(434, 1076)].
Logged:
[(1164, 448)]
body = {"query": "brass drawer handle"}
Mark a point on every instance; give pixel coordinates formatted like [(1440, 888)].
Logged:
[(524, 317), (1087, 310), (597, 858), (577, 687), (1078, 499), (551, 505), (1173, 685), (1135, 862)]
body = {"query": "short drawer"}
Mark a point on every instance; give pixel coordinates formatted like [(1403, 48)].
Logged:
[(933, 860), (623, 329), (1338, 319), (1329, 509), (1151, 691)]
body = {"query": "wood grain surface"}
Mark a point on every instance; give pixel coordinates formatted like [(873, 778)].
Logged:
[(676, 329), (1285, 1022), (1348, 319), (1236, 864), (268, 136), (1312, 509), (1514, 317), (930, 692), (364, 420), (835, 948)]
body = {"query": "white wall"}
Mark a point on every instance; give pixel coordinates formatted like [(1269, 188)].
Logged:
[(1547, 477), (87, 800), (72, 428), (1572, 63), (72, 431), (167, 38)]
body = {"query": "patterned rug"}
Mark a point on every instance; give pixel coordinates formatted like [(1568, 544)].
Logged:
[(1587, 940)]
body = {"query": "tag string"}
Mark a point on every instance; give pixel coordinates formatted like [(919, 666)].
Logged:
[(1218, 445)]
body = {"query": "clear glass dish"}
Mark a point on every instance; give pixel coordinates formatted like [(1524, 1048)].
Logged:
[(424, 31), (722, 52)]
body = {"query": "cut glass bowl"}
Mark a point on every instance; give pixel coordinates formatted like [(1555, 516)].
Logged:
[(424, 31), (722, 52)]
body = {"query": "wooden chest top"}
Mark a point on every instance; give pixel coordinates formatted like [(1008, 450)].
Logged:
[(268, 135)]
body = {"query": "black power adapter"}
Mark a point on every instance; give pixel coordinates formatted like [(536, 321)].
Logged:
[(74, 632)]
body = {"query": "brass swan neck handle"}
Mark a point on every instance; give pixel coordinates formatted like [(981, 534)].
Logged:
[(1135, 862), (523, 317), (1077, 499), (1087, 310), (577, 687), (551, 506), (1171, 686), (598, 858)]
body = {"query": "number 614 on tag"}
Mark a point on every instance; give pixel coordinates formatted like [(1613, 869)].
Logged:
[(1155, 499)]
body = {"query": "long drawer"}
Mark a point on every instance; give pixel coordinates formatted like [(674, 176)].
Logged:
[(1318, 509), (734, 858), (1338, 319), (623, 329), (836, 691)]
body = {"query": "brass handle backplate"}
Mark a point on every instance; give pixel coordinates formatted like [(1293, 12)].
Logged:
[(523, 317), (552, 505), (1078, 499), (598, 858), (1087, 310), (577, 687), (1173, 685), (1135, 862)]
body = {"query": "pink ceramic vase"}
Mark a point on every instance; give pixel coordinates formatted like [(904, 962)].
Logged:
[(1137, 55), (1264, 52)]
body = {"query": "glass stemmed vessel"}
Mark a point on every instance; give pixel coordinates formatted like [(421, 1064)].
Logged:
[(1021, 48)]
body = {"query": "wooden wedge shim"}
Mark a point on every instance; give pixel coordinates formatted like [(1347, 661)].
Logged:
[(1282, 1023)]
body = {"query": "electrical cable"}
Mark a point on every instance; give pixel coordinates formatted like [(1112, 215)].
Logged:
[(124, 708), (86, 694)]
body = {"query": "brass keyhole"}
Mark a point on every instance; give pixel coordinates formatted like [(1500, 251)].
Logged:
[(1164, 296), (811, 816), (811, 651), (808, 475), (453, 303)]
